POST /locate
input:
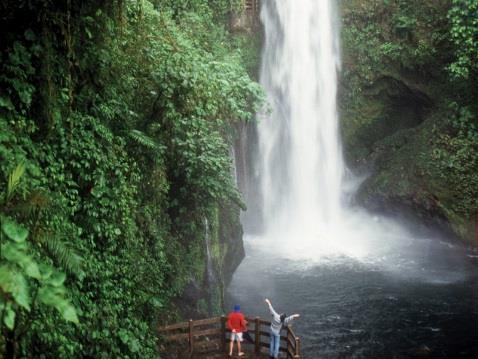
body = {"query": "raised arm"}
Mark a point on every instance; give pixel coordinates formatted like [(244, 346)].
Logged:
[(271, 309), (290, 318)]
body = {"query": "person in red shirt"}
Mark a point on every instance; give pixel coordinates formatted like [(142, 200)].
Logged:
[(237, 324)]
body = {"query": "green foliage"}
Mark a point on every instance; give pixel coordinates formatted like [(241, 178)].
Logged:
[(122, 116), (13, 181), (16, 73), (144, 140), (65, 256), (454, 154), (463, 16), (393, 37), (25, 281)]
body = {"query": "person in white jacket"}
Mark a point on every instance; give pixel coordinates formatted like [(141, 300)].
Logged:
[(277, 323)]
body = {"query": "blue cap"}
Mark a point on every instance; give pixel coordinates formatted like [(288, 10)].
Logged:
[(237, 308)]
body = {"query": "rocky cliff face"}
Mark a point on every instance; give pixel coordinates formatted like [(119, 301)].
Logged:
[(404, 121), (216, 261)]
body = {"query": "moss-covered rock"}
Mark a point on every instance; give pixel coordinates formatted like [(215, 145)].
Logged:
[(212, 263), (404, 121)]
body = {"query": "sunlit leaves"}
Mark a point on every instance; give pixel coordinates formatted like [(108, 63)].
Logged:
[(13, 230), (17, 253), (53, 294), (13, 282), (14, 180), (9, 319)]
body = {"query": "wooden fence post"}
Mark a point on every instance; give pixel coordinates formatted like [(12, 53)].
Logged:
[(191, 338), (223, 333), (297, 348), (287, 341), (257, 336)]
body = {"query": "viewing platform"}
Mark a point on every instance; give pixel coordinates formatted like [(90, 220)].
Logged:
[(209, 338), (248, 19)]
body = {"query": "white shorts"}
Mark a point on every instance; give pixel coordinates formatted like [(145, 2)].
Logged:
[(236, 336)]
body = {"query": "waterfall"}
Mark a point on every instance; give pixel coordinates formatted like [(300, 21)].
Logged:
[(209, 266), (300, 157), (297, 185)]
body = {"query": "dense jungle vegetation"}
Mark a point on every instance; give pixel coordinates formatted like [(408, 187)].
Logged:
[(116, 119), (409, 106)]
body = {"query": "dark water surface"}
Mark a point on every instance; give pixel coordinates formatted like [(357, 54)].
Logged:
[(404, 305)]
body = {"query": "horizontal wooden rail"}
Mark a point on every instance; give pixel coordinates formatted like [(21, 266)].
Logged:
[(168, 328), (215, 331), (198, 333), (251, 320), (180, 336), (215, 320), (252, 5)]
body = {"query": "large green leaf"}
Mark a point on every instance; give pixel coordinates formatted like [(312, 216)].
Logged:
[(68, 313), (14, 231), (9, 318), (21, 292), (57, 279), (54, 297), (31, 270), (48, 297), (6, 278), (11, 281), (6, 103), (45, 270), (15, 253)]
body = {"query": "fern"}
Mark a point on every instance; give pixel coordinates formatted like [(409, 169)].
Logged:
[(144, 140), (65, 256), (14, 180), (103, 131)]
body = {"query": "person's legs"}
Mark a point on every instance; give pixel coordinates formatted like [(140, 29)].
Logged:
[(271, 346), (239, 352), (231, 344), (239, 340), (276, 345)]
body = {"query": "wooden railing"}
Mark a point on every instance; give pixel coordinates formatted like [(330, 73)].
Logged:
[(252, 5), (207, 335)]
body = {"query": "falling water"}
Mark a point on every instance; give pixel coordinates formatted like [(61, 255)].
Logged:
[(209, 265), (299, 160), (300, 154)]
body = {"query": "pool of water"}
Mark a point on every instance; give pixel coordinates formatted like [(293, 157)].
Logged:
[(400, 304)]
